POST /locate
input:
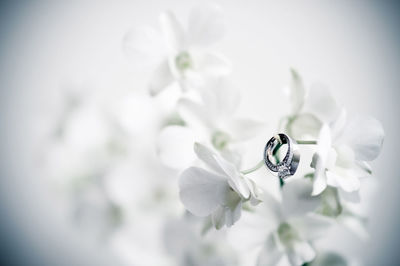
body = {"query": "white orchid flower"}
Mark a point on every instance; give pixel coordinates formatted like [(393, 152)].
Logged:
[(180, 55), (210, 120), (332, 203), (187, 246), (283, 229), (343, 152), (219, 191), (310, 109)]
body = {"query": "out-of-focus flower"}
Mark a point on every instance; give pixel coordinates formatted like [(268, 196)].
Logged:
[(309, 108), (285, 229), (210, 120), (184, 241), (180, 55), (219, 193), (342, 152)]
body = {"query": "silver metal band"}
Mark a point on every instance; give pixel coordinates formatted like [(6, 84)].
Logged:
[(288, 166)]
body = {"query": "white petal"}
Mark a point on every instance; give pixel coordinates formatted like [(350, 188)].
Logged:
[(353, 197), (324, 142), (212, 64), (339, 124), (233, 210), (365, 136), (161, 78), (355, 225), (312, 226), (321, 159), (269, 255), (236, 181), (320, 182), (297, 199), (296, 92), (243, 129), (206, 25), (345, 156), (144, 46), (195, 114), (321, 103), (346, 181), (201, 191), (218, 217), (208, 157), (301, 253), (173, 32), (221, 96), (175, 146), (304, 126)]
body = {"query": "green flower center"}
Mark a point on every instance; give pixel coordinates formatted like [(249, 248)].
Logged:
[(183, 61), (287, 234), (220, 140)]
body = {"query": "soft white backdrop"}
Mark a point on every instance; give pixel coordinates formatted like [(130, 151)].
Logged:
[(353, 47)]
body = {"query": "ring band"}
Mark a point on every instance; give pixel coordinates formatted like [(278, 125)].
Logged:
[(288, 166)]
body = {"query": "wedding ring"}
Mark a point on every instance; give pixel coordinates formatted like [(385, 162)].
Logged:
[(288, 166)]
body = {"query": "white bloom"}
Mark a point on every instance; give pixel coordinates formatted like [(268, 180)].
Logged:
[(343, 151), (180, 55), (284, 229), (219, 192), (210, 120), (309, 108), (333, 203), (185, 242)]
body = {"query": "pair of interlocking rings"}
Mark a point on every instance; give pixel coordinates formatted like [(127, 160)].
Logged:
[(288, 165)]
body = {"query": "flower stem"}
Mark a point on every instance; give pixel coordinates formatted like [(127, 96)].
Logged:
[(306, 142), (255, 168)]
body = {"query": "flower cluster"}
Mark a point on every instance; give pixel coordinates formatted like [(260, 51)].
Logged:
[(211, 181), (196, 170)]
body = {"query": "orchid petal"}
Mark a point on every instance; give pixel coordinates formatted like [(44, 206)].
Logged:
[(321, 103), (320, 183), (347, 182), (235, 180), (233, 209), (209, 158), (270, 255), (173, 32), (206, 25), (297, 199), (220, 96), (195, 114), (143, 46), (201, 191), (312, 226), (218, 217), (175, 146), (353, 197), (212, 64), (301, 253), (303, 126), (244, 129), (161, 78), (365, 136), (321, 158)]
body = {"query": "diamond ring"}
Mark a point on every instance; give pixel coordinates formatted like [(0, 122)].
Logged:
[(288, 165)]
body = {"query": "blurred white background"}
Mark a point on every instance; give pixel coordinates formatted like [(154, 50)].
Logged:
[(353, 47)]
